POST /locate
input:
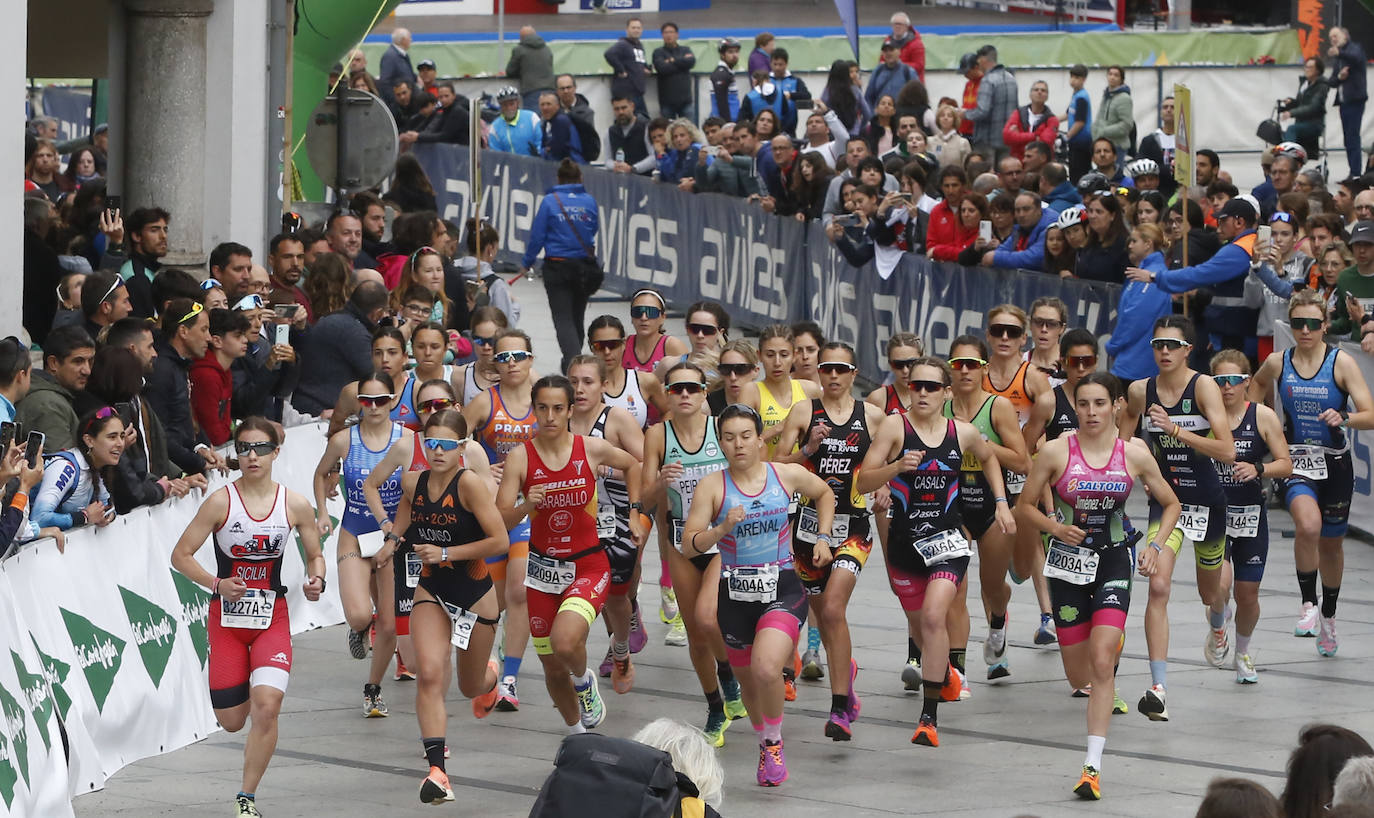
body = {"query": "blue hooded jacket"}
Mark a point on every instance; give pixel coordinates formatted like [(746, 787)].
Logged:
[(1033, 256), (566, 232), (1141, 305)]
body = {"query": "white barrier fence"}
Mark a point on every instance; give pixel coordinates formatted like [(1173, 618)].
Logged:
[(108, 639)]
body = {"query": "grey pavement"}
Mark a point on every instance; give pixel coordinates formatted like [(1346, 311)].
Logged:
[(1013, 749)]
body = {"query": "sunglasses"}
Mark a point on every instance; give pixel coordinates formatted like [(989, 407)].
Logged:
[(1311, 324), (1012, 331), (738, 370), (836, 367), (443, 444), (1169, 343), (1280, 216), (1082, 361), (375, 400), (1046, 323), (484, 342), (211, 284), (686, 387), (902, 363), (261, 448), (513, 356), (929, 387), (118, 282), (436, 404), (702, 329), (646, 311), (196, 309), (608, 344), (967, 364), (1230, 380), (252, 301)]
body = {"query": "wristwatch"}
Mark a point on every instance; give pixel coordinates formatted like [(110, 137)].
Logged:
[(637, 506)]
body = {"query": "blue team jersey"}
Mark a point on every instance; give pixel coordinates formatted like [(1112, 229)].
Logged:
[(764, 536)]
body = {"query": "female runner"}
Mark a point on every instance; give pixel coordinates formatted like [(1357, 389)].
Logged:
[(773, 396), (928, 554), (363, 587), (807, 341), (472, 379), (388, 357), (251, 521), (1318, 494), (451, 524), (739, 365), (569, 574), (761, 603), (1090, 559), (1257, 432), (648, 311)]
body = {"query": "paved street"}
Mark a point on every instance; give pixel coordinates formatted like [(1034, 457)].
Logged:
[(1013, 749)]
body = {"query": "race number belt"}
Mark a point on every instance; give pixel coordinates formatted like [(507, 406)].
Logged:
[(1308, 461), (808, 526), (1192, 521), (253, 610), (753, 583), (548, 574), (462, 623), (605, 522), (414, 568), (1242, 521), (946, 545), (1073, 564)]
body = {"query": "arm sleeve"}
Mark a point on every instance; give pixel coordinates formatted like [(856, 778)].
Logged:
[(1116, 120), (802, 91), (129, 489), (983, 109), (43, 510), (1281, 287), (1012, 133), (720, 92), (687, 61), (535, 244), (1229, 262), (1314, 106), (205, 404), (660, 60), (856, 254), (513, 65), (615, 60)]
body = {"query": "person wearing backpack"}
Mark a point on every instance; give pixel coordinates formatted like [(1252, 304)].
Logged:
[(74, 491), (565, 229)]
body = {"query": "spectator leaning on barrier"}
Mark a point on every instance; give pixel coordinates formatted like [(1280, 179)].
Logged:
[(1115, 118), (630, 70), (1025, 247), (1348, 70), (13, 520), (564, 230), (74, 490), (515, 130), (338, 349), (49, 406), (184, 339), (146, 233), (907, 42), (673, 64), (212, 385), (628, 148), (946, 236), (1032, 122), (997, 96), (850, 234), (531, 63), (449, 125)]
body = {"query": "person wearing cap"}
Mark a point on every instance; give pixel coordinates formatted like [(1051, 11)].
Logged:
[(516, 130), (890, 75), (906, 40), (396, 65), (996, 104), (673, 63), (429, 74), (724, 95), (1231, 323), (531, 64), (1355, 287)]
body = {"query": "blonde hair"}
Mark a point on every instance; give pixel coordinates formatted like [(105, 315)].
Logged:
[(1010, 309), (1307, 298), (744, 349), (1152, 234), (1231, 356), (949, 109)]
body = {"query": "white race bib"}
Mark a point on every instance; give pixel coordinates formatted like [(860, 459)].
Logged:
[(1242, 521), (754, 583), (463, 621), (839, 529), (1073, 564), (1015, 481), (808, 524), (548, 574), (1308, 461), (253, 610), (946, 545), (414, 567), (1192, 521), (605, 522), (370, 544)]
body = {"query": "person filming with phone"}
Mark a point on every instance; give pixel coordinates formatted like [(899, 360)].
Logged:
[(74, 491)]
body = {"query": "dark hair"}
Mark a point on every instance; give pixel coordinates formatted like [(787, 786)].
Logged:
[(1212, 155), (172, 283), (1314, 764), (175, 315), (712, 120), (256, 423), (1155, 198), (1002, 203), (116, 374), (14, 360), (739, 410), (1077, 337), (141, 218), (413, 230), (1106, 380), (276, 242), (1118, 69), (1237, 798), (95, 295), (604, 322), (418, 292), (512, 332), (809, 328), (126, 331), (978, 200), (1333, 223), (569, 173), (871, 191), (1040, 147), (450, 419), (224, 250), (938, 363), (1078, 70), (1112, 205), (223, 322), (430, 326), (840, 92), (553, 382), (378, 377), (64, 341), (91, 424), (481, 315), (953, 172), (362, 201), (668, 25), (838, 345), (970, 341), (1054, 174), (1109, 142), (1292, 202), (486, 234), (391, 333), (1194, 211), (717, 311), (437, 383), (1178, 322), (869, 163), (327, 286), (779, 53), (368, 297), (1321, 68), (409, 173)]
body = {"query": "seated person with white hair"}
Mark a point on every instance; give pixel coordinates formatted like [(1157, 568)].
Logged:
[(692, 758), (1354, 785)]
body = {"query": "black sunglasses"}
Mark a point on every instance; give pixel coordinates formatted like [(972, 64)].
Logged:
[(686, 387), (902, 363), (261, 448), (1011, 331), (929, 387), (702, 329), (738, 370), (1310, 324)]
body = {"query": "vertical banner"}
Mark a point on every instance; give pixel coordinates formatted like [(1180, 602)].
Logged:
[(1183, 136), (849, 16)]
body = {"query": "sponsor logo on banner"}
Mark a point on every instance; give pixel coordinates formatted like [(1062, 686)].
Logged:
[(55, 671), (195, 612), (15, 717), (155, 633), (8, 775), (34, 689), (99, 653)]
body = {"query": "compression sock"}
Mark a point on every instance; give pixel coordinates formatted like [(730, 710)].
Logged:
[(813, 639), (930, 701), (510, 666), (723, 672), (1307, 586), (1217, 619), (250, 796), (772, 729), (1094, 757), (434, 751), (1159, 672), (714, 702), (839, 702), (998, 621), (1242, 645), (956, 659), (913, 653), (1329, 595), (620, 650)]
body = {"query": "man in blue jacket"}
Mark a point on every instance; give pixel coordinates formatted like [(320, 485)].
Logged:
[(560, 137), (1059, 194), (1230, 324), (889, 77), (1025, 247), (565, 230)]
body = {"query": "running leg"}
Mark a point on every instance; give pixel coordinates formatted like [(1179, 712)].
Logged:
[(265, 702)]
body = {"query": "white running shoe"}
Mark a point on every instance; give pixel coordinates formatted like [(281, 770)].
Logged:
[(1307, 620), (1217, 647), (589, 701), (677, 633), (1245, 670), (1326, 643), (1153, 704), (667, 604)]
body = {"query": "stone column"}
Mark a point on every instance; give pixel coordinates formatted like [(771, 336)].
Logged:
[(164, 115)]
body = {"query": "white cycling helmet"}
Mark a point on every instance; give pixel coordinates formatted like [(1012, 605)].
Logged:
[(509, 92), (1142, 167), (1071, 216), (1292, 150)]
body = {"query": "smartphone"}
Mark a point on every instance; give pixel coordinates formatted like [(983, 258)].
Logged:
[(285, 310), (283, 335), (6, 436), (805, 104), (36, 440), (846, 218), (113, 204), (906, 197), (125, 410), (985, 230), (1265, 233)]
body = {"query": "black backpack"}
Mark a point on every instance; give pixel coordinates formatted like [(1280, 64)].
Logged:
[(618, 777), (586, 132)]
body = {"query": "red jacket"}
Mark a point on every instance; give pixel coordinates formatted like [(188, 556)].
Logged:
[(212, 388), (970, 102), (913, 53), (1018, 135), (945, 236)]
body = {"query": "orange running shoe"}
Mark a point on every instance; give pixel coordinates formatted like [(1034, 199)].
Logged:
[(403, 673), (483, 704), (925, 734), (954, 683), (1088, 789), (789, 690), (622, 675), (435, 789)]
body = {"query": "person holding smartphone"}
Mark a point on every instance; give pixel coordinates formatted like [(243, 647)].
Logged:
[(74, 491), (15, 464)]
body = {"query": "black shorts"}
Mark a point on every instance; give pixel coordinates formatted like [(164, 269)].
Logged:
[(1104, 601), (740, 621), (1332, 494), (624, 558), (460, 586)]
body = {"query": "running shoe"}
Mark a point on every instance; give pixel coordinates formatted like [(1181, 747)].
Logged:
[(246, 807), (1307, 620), (403, 674), (623, 675), (357, 643), (734, 700), (667, 605), (715, 728), (374, 707), (604, 669), (789, 690), (1153, 704), (926, 734), (995, 654), (435, 788), (855, 705), (1088, 787), (638, 636), (954, 682), (1082, 692), (589, 701), (506, 699), (811, 666), (1045, 634), (677, 633), (837, 728), (1217, 648), (483, 704), (1326, 643), (1245, 670), (1119, 706), (772, 764), (964, 692), (911, 675)]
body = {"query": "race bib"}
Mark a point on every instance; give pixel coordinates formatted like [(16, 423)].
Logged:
[(370, 544), (253, 610), (548, 574), (1308, 461), (677, 532), (808, 524), (839, 529), (1242, 521), (413, 569), (1192, 521), (1073, 564), (1014, 481), (755, 583), (463, 621), (946, 545), (605, 522)]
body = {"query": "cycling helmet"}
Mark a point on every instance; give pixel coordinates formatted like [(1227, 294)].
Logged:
[(509, 92), (1142, 167), (1292, 150), (726, 44), (1071, 216), (1093, 182)]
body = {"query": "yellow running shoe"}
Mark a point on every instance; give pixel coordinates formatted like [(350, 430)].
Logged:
[(1088, 788)]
